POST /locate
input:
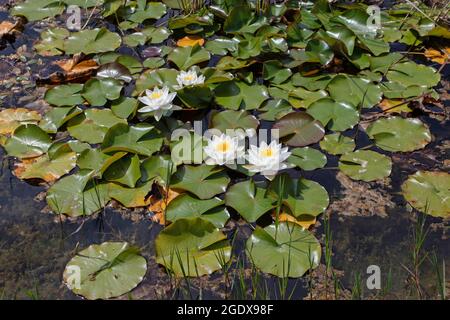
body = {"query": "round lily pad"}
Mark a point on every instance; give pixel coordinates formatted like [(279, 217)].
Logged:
[(429, 192), (365, 165), (307, 158), (336, 144), (399, 134), (103, 271), (299, 129), (337, 116), (192, 247), (286, 251), (27, 141)]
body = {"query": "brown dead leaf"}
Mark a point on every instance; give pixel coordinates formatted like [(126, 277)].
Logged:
[(305, 223), (441, 56), (71, 70), (158, 205), (190, 41), (394, 106), (10, 119), (8, 28)]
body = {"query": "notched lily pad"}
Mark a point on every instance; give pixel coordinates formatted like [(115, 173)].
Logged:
[(299, 129), (365, 165)]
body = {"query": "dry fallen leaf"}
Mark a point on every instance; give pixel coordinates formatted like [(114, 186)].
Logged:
[(190, 41), (439, 56), (304, 223), (8, 28), (72, 70), (394, 106), (10, 119), (158, 206)]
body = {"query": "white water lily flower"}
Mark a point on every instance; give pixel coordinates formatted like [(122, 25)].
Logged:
[(223, 149), (158, 101), (189, 78), (267, 159)]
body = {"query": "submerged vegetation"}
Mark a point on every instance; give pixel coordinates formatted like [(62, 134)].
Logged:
[(320, 74)]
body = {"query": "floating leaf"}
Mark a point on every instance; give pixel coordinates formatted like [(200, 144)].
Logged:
[(394, 106), (299, 129), (304, 221), (398, 134), (98, 91), (284, 251), (337, 116), (300, 196), (185, 57), (28, 141), (429, 192), (307, 158), (35, 10), (203, 181), (234, 120), (187, 206), (274, 71), (192, 247), (190, 41), (126, 171), (65, 95), (237, 94), (96, 160), (249, 200), (336, 144), (131, 197), (365, 165), (52, 42), (438, 56), (10, 119), (157, 167), (92, 41), (410, 74), (107, 270), (92, 125)]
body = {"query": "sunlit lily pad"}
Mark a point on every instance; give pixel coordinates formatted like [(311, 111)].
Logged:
[(96, 160), (307, 158), (429, 192), (399, 134), (337, 116), (299, 129), (126, 171), (410, 73), (236, 94), (35, 10), (187, 206), (249, 200), (203, 181), (10, 119), (57, 117), (92, 41), (284, 251), (336, 144), (192, 247), (131, 197), (65, 95), (104, 271), (185, 57), (365, 165), (28, 141), (234, 120)]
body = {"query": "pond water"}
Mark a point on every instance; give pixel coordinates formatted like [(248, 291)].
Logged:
[(370, 225)]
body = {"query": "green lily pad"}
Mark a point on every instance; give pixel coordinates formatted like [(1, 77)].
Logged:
[(148, 34), (56, 117), (336, 144), (131, 197), (92, 41), (410, 74), (399, 134), (192, 247), (28, 141), (96, 160), (365, 165), (65, 95), (92, 125), (52, 42), (124, 107), (241, 19), (249, 200), (221, 46), (284, 251), (337, 116), (301, 196), (187, 206), (307, 158), (141, 139), (429, 192), (237, 94), (274, 109), (299, 129), (77, 195), (98, 91), (105, 271), (185, 57), (152, 78), (35, 10), (233, 120), (126, 171), (355, 91), (196, 97), (203, 181), (157, 167)]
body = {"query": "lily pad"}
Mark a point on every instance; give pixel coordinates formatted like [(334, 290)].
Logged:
[(92, 41), (28, 141), (300, 196), (185, 57), (429, 192), (337, 116), (126, 171), (233, 120), (192, 247), (96, 160), (203, 181), (131, 197), (105, 271), (158, 167), (10, 119), (35, 10), (249, 200), (65, 95), (399, 134), (187, 206), (307, 158), (336, 144), (57, 117), (410, 74), (365, 165), (299, 129), (239, 95), (284, 251)]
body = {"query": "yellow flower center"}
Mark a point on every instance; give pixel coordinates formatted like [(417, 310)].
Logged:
[(223, 146), (268, 152), (189, 78), (156, 95)]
